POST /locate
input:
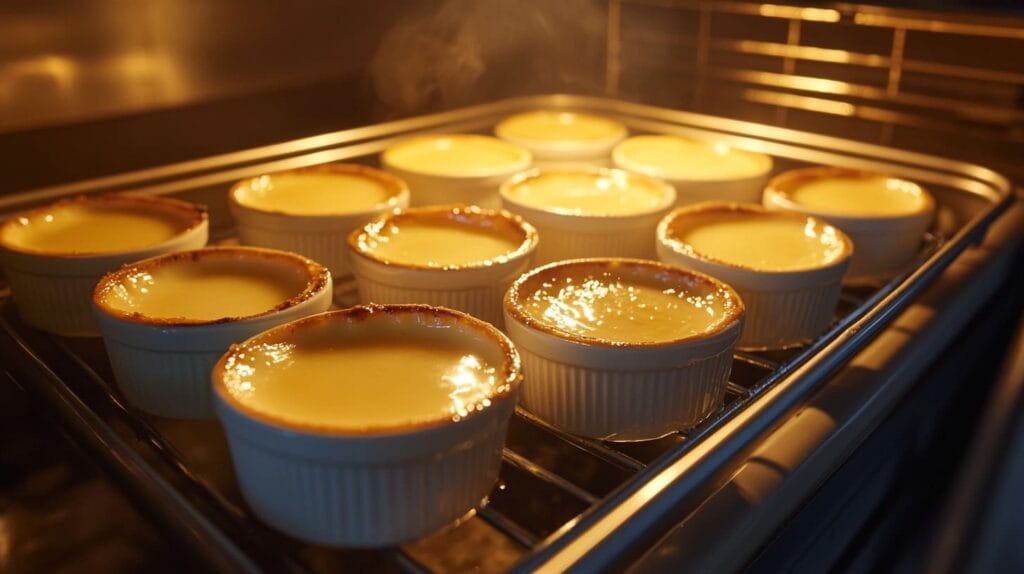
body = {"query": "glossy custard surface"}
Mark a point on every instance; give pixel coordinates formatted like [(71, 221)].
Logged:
[(757, 240), (437, 241), (674, 157), (314, 193), (365, 377), (457, 155), (95, 227), (552, 126), (205, 290), (589, 193), (871, 195), (625, 308)]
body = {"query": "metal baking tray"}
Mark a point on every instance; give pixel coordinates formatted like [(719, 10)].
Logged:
[(562, 502)]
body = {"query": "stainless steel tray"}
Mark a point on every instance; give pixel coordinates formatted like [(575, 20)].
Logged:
[(562, 502)]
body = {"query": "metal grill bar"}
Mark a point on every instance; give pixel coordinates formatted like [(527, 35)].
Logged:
[(593, 447), (546, 475), (500, 522)]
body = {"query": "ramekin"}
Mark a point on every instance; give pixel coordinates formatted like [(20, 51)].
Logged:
[(320, 237), (377, 487), (53, 291), (622, 391), (745, 185), (544, 133), (436, 184), (162, 366), (886, 244), (571, 235), (475, 288), (784, 308)]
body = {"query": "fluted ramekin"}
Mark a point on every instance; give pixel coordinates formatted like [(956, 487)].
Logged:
[(320, 236), (785, 308), (620, 391), (53, 290), (378, 486), (886, 244), (570, 235), (162, 365), (476, 288), (560, 137), (440, 171), (724, 173)]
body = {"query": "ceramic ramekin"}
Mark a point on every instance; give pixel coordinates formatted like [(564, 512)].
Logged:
[(442, 169), (320, 236), (886, 244), (620, 391), (476, 288), (562, 137), (699, 170), (785, 308), (567, 234), (53, 289), (162, 365), (375, 487)]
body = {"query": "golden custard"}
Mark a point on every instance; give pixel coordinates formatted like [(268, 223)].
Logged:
[(552, 126), (438, 239), (314, 193), (623, 307), (460, 155), (758, 240), (674, 157), (610, 192), (370, 376), (205, 289), (95, 227), (860, 195)]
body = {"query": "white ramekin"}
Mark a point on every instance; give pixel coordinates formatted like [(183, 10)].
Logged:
[(320, 237), (784, 308), (885, 244), (163, 365), (53, 291), (622, 391), (743, 187), (570, 236), (476, 289), (541, 132), (448, 184), (370, 488)]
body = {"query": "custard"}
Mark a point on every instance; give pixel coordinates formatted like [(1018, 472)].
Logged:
[(103, 225), (674, 157), (585, 192), (755, 239), (315, 193), (859, 195), (377, 374), (460, 155), (441, 238), (624, 304), (553, 127)]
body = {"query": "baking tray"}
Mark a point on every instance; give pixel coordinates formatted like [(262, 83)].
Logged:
[(562, 502)]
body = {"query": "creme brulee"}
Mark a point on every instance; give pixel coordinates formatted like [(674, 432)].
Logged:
[(674, 157), (554, 126), (624, 308), (377, 372), (460, 155), (588, 192), (315, 193), (95, 227), (859, 194), (755, 239)]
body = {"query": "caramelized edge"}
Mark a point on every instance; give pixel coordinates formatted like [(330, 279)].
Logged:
[(316, 281), (523, 229), (506, 190), (511, 367), (195, 213), (784, 182), (514, 305)]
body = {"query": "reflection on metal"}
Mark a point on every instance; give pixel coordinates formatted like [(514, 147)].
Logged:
[(820, 105), (940, 26), (809, 53), (613, 63), (796, 13), (899, 39)]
